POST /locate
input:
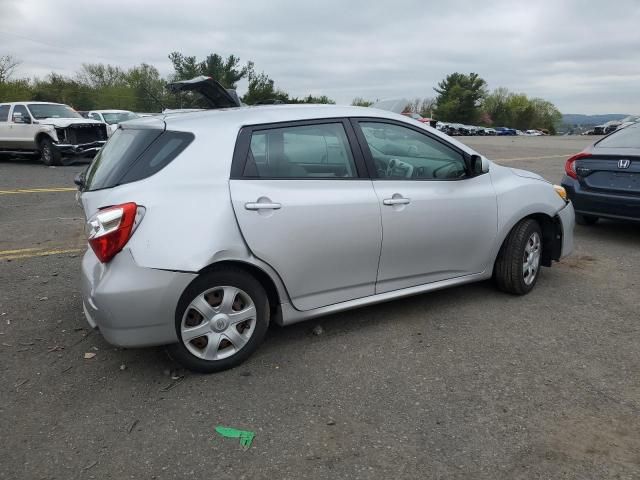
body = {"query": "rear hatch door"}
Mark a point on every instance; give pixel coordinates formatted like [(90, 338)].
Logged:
[(214, 93), (610, 171)]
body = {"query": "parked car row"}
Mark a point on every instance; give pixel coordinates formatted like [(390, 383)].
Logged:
[(454, 129)]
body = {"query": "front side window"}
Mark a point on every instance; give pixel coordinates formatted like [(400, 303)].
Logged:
[(4, 113), (401, 153), (308, 151), (21, 112)]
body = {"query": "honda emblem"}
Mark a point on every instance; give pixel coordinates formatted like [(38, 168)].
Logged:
[(624, 163)]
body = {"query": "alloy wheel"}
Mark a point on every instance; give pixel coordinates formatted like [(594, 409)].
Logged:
[(531, 260)]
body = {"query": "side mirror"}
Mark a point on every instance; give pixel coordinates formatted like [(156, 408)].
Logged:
[(477, 165), (19, 118)]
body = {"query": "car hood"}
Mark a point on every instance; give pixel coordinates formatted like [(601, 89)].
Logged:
[(65, 122), (527, 174), (216, 95)]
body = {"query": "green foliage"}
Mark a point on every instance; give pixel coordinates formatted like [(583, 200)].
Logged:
[(15, 91), (313, 99), (459, 97), (361, 102), (516, 110), (226, 71), (262, 90)]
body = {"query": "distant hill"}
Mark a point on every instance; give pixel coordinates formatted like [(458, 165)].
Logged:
[(579, 119)]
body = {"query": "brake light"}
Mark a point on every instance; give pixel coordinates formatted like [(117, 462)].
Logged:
[(110, 229), (570, 164)]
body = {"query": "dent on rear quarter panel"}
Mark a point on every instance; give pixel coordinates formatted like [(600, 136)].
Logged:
[(189, 218)]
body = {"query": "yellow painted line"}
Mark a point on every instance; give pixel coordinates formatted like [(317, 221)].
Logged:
[(531, 158), (41, 254), (37, 190), (20, 250)]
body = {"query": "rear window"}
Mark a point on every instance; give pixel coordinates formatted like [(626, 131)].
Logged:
[(628, 137), (134, 154)]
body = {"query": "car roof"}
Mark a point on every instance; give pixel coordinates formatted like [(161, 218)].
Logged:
[(233, 119), (110, 111), (31, 102)]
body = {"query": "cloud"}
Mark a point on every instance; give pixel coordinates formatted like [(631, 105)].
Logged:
[(582, 56)]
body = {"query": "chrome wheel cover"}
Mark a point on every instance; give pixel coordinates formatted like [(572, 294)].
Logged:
[(531, 260), (218, 323)]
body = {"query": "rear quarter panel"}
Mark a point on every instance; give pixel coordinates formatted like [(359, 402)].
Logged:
[(189, 221)]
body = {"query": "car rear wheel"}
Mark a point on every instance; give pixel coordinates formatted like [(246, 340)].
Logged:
[(221, 319), (49, 153), (586, 219), (518, 264)]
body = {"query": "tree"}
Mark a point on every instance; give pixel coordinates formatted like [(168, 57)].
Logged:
[(262, 90), (314, 99), (8, 64), (98, 75), (427, 107), (459, 97), (361, 102), (518, 111), (226, 71)]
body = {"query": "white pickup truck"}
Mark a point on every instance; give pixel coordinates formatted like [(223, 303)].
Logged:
[(52, 131)]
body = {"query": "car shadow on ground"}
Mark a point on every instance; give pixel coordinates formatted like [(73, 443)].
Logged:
[(614, 231)]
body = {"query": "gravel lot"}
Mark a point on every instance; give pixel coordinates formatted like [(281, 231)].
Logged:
[(464, 383)]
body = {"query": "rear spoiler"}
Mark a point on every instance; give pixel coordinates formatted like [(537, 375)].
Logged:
[(216, 95)]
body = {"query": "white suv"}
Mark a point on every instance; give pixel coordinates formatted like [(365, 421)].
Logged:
[(52, 130)]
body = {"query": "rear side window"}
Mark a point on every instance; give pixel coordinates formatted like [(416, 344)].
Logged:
[(134, 154), (308, 151), (628, 137), (4, 113)]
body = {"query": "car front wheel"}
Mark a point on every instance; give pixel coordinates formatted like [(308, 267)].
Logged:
[(518, 264), (221, 319), (49, 153)]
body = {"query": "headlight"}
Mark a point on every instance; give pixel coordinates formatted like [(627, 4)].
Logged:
[(561, 191)]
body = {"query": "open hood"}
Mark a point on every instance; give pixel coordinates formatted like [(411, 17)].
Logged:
[(216, 95)]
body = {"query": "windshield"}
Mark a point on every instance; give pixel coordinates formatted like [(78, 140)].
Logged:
[(628, 137), (52, 110), (118, 117)]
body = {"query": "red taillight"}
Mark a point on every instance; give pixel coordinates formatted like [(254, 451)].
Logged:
[(570, 164), (109, 230)]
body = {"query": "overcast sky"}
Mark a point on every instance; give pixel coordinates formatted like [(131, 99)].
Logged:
[(584, 56)]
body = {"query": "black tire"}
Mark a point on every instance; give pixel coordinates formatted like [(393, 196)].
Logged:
[(509, 270), (586, 219), (224, 276), (49, 154)]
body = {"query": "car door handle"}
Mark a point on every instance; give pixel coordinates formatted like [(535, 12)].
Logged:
[(396, 201), (262, 206)]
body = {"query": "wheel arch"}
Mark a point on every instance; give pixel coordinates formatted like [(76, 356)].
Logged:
[(551, 236), (267, 282), (41, 136)]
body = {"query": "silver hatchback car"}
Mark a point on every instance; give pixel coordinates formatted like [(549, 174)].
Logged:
[(203, 227)]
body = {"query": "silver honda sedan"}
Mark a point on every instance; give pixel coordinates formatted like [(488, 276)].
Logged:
[(203, 227)]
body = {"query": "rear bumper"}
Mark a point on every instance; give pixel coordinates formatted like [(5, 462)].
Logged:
[(608, 205), (132, 306), (82, 149)]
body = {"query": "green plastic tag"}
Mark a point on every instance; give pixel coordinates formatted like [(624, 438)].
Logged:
[(245, 437)]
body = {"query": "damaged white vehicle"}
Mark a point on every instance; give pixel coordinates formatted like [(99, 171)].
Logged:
[(53, 131)]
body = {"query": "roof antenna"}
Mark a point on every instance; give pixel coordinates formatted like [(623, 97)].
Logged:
[(148, 92)]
